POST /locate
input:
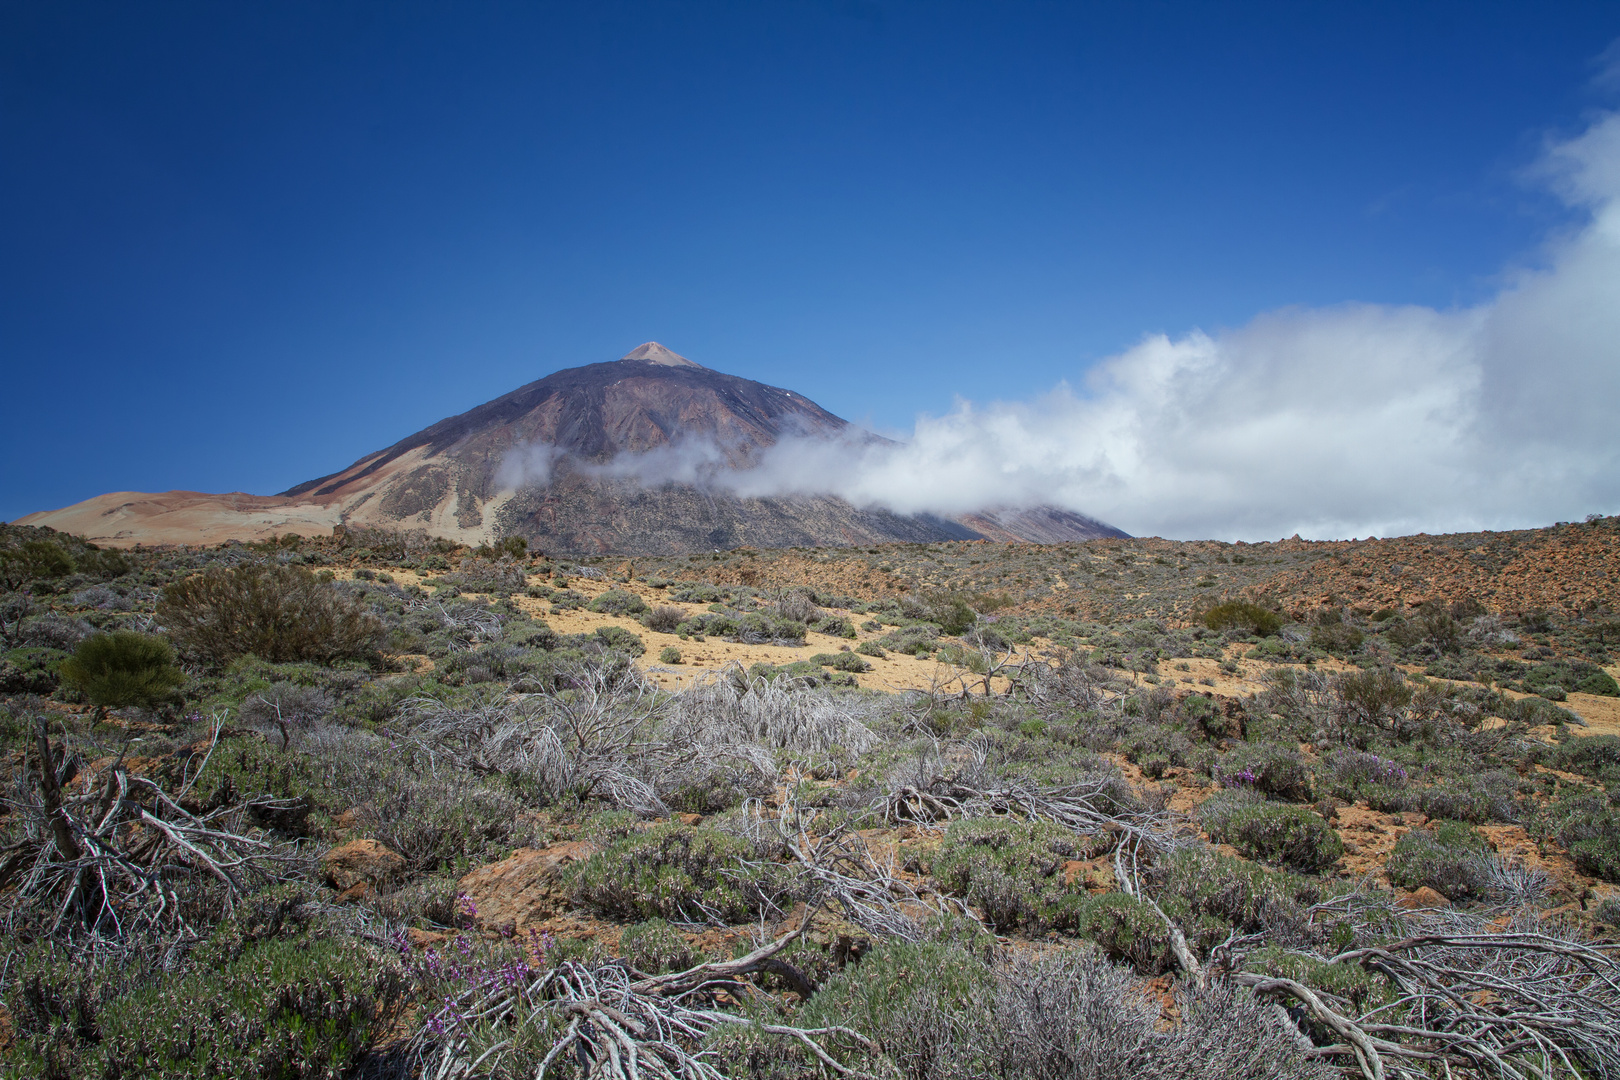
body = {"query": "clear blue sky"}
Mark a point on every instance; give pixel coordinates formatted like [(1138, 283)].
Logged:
[(243, 244)]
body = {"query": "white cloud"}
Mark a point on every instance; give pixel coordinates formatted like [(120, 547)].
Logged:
[(1331, 422)]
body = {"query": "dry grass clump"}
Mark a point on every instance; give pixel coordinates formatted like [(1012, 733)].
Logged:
[(277, 613)]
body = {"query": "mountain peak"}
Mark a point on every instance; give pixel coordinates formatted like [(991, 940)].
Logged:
[(654, 353)]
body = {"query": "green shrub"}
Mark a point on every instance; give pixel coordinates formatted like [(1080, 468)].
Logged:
[(1597, 756), (618, 602), (841, 661), (653, 947), (1275, 769), (34, 560), (669, 654), (1553, 680), (1243, 615), (31, 670), (1277, 833), (1336, 637), (277, 613), (1448, 857), (693, 874), (917, 1001), (282, 1007), (1479, 797), (1128, 930), (123, 669), (871, 648), (1209, 894), (1349, 981), (1589, 827), (1013, 871), (617, 637)]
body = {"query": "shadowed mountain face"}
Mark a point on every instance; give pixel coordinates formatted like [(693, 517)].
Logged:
[(457, 478)]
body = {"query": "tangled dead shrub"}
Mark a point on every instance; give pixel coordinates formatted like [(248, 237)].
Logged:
[(277, 613)]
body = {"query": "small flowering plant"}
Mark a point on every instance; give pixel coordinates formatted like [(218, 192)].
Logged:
[(1242, 778), (1355, 767), (466, 968)]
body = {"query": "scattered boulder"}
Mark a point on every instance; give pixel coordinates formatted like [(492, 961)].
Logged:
[(1424, 897), (525, 889), (361, 867)]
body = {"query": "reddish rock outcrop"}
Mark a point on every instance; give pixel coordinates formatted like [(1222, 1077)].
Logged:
[(361, 867), (525, 889)]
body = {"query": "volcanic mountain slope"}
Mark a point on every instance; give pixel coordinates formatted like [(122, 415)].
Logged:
[(538, 463)]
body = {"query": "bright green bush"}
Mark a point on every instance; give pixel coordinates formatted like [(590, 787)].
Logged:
[(669, 654), (123, 669)]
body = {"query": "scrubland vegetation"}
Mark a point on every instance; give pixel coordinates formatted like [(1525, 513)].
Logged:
[(272, 811)]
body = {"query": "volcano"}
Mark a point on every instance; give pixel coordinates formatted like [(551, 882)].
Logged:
[(544, 462)]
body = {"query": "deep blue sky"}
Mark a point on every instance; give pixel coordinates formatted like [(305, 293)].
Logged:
[(241, 245)]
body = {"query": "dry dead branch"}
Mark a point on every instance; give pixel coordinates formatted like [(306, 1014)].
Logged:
[(615, 1022), (1518, 1005), (112, 853)]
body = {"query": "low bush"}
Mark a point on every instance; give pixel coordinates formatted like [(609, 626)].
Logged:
[(1210, 895), (942, 1010), (1355, 774), (276, 1005), (841, 661), (1477, 798), (1128, 930), (123, 669), (1589, 827), (1013, 871), (1277, 833), (1274, 769), (488, 576), (617, 637), (277, 613), (871, 648), (1243, 615), (918, 639), (1351, 982), (669, 654), (654, 947), (1448, 857), (31, 670), (618, 602), (682, 872), (665, 618), (1597, 756)]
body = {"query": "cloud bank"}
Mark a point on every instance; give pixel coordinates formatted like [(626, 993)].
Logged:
[(1353, 420)]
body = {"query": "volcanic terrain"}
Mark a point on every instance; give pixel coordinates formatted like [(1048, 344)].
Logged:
[(543, 463)]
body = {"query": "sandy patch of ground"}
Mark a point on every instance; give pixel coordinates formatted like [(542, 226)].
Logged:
[(699, 658), (1602, 714)]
